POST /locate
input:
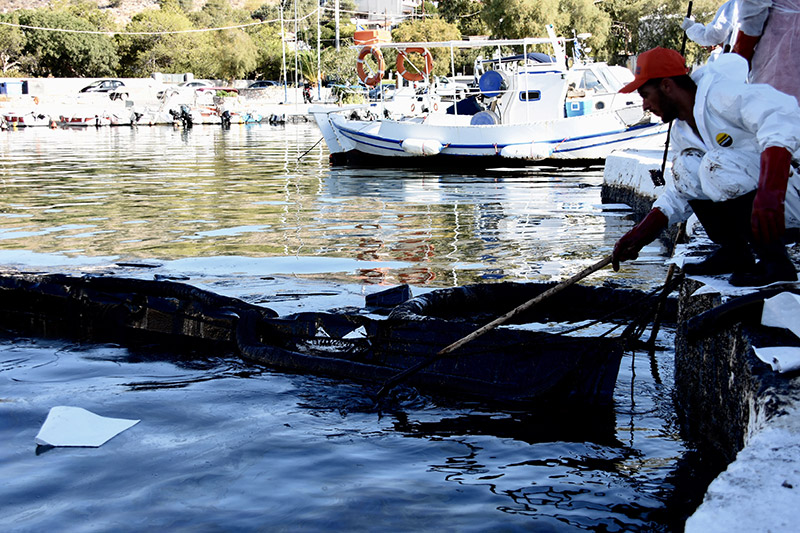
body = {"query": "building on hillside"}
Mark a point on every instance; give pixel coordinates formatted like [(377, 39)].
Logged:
[(385, 14)]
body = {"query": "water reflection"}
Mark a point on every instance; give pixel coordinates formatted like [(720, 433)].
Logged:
[(159, 193), (258, 450)]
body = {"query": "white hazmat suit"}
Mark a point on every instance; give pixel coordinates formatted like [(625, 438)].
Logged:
[(720, 31), (736, 121), (775, 60)]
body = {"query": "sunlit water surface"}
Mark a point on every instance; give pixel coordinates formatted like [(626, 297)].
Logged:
[(223, 445)]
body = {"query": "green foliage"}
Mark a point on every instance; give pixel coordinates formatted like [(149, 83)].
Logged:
[(141, 55), (584, 16), (466, 14), (516, 19), (269, 46), (64, 54), (340, 65), (234, 53), (308, 66), (639, 25), (429, 29), (619, 29), (12, 43)]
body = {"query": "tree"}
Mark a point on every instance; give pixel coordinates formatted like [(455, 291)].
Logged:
[(583, 16), (428, 29), (517, 19), (64, 54), (639, 25), (142, 55), (308, 66), (466, 14), (12, 43), (340, 65), (269, 46), (235, 54)]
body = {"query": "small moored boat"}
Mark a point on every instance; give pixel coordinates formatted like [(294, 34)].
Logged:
[(530, 107)]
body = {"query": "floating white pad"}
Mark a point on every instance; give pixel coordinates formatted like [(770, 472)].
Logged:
[(782, 311), (780, 358), (73, 426)]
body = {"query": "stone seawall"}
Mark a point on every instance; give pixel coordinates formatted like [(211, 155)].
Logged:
[(730, 404)]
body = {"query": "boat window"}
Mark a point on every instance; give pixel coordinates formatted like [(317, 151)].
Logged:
[(590, 81), (608, 79), (530, 96)]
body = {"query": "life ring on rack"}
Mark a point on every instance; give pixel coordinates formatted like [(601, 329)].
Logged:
[(414, 76), (376, 78)]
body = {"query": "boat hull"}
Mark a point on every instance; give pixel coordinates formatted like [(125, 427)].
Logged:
[(577, 139)]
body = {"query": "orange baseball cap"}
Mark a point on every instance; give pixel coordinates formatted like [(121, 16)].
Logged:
[(656, 63)]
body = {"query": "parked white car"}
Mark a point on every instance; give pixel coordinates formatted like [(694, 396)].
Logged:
[(192, 84)]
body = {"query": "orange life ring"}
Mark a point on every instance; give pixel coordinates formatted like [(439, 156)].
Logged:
[(376, 78), (435, 106), (414, 76)]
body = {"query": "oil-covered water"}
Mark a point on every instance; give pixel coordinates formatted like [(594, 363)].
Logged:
[(224, 445)]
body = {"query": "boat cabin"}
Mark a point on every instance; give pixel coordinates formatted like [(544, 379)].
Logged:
[(517, 92)]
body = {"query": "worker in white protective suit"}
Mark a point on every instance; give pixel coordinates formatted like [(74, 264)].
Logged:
[(721, 31), (732, 145), (769, 38)]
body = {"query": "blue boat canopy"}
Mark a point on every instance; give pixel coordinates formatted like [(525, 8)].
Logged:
[(538, 57)]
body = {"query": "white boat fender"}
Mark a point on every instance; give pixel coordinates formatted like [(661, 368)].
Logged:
[(422, 146), (534, 151)]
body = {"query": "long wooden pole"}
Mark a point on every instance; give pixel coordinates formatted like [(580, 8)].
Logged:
[(669, 128), (651, 342), (394, 380)]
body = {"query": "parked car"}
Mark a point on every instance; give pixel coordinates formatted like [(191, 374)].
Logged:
[(115, 88), (192, 84), (196, 83), (263, 84), (451, 88), (387, 89)]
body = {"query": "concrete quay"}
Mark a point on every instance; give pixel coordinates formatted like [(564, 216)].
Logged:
[(731, 404)]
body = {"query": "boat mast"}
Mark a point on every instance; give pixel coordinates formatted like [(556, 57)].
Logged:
[(296, 68), (283, 57), (337, 25)]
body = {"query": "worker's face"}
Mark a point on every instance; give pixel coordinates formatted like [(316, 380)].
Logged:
[(657, 102)]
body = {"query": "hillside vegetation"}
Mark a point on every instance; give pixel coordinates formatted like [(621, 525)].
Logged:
[(136, 38)]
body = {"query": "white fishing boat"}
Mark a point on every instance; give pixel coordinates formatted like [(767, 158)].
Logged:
[(531, 107), (26, 119), (83, 119)]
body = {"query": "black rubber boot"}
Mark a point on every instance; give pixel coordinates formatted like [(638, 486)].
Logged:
[(774, 265), (728, 225), (725, 260)]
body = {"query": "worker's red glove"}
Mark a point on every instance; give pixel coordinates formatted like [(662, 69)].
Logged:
[(768, 219), (745, 45), (637, 238)]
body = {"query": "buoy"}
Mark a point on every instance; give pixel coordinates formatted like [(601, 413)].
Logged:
[(376, 78), (427, 68)]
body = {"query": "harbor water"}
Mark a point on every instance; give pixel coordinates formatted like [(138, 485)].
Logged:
[(257, 212)]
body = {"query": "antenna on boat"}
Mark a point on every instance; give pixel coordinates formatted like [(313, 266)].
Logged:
[(558, 47)]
